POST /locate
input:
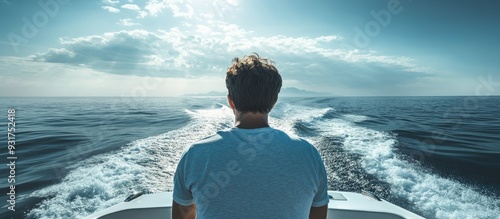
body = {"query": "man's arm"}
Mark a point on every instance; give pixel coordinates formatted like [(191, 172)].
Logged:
[(183, 212), (318, 212)]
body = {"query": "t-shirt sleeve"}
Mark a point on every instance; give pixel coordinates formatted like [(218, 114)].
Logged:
[(321, 198), (182, 195)]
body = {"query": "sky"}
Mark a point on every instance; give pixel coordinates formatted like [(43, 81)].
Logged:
[(178, 47)]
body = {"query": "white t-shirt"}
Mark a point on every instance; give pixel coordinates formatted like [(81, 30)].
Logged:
[(251, 173)]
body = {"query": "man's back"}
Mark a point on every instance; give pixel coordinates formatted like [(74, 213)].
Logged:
[(251, 173)]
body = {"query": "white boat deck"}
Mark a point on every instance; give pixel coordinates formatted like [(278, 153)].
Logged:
[(342, 205)]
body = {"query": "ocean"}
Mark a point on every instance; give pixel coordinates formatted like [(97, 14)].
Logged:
[(436, 156)]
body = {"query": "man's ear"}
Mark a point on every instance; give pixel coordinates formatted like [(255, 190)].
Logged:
[(231, 103)]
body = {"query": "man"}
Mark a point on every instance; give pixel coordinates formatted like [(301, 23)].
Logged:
[(251, 170)]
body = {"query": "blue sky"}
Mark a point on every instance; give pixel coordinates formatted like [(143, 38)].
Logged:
[(174, 47)]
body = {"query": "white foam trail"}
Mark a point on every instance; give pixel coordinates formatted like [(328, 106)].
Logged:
[(433, 194), (290, 114), (149, 164), (100, 182), (354, 118), (143, 165)]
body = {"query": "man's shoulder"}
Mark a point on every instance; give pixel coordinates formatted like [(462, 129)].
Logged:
[(284, 136), (266, 135), (211, 140), (208, 140)]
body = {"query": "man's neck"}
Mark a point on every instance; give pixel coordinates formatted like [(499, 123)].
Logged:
[(251, 120)]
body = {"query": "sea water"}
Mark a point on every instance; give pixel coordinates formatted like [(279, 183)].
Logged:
[(436, 156)]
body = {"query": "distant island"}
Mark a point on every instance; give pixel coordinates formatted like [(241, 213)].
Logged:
[(295, 92), (285, 92)]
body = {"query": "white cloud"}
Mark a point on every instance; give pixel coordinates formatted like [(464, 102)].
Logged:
[(132, 7), (127, 22), (111, 9), (187, 11), (23, 77), (179, 8), (135, 8), (192, 10), (110, 2), (154, 7), (206, 50), (232, 2), (123, 52)]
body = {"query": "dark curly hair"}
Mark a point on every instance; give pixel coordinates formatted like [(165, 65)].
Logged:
[(253, 84)]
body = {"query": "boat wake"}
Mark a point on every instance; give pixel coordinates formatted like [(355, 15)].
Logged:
[(149, 164)]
